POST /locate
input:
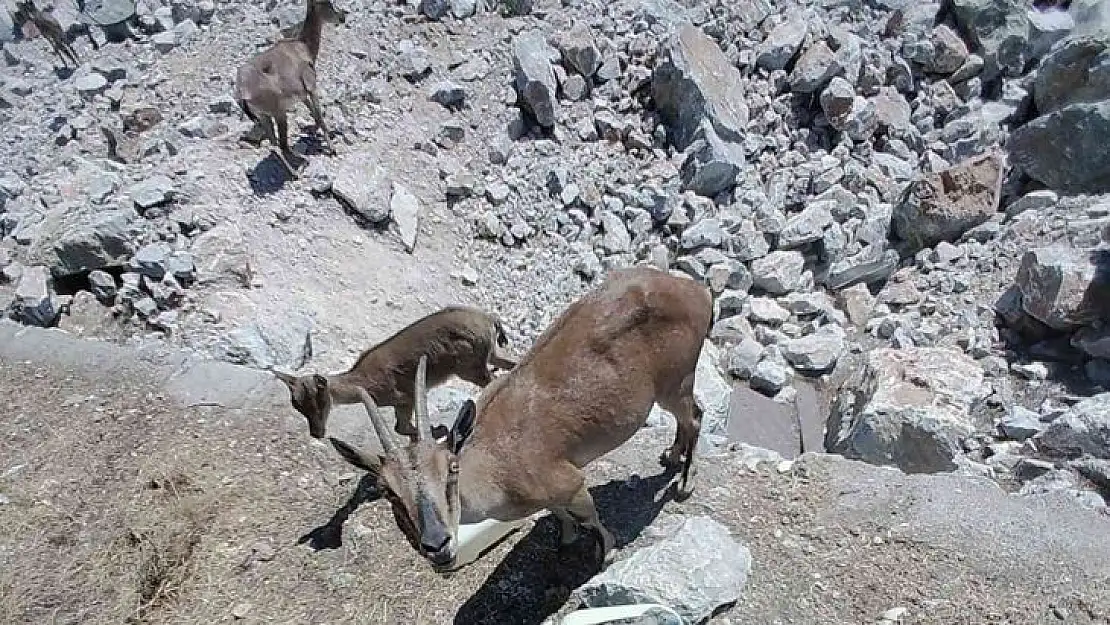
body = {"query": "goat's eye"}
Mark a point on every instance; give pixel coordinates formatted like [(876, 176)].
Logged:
[(453, 468)]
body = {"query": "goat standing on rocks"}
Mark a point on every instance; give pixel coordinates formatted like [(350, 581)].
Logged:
[(272, 82), (457, 340), (585, 387), (51, 30)]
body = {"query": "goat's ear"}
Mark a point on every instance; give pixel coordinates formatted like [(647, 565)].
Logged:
[(289, 380), (320, 381), (464, 425), (366, 462)]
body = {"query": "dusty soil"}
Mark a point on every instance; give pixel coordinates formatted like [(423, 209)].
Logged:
[(124, 505)]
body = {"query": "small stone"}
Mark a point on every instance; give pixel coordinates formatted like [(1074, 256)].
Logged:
[(769, 377), (616, 239), (449, 95), (1033, 201), (706, 233), (767, 311), (744, 357), (497, 193), (1020, 423), (781, 44), (817, 352), (405, 210), (102, 285), (241, 610), (151, 260), (35, 302), (779, 272), (165, 41), (534, 78), (91, 84), (154, 191)]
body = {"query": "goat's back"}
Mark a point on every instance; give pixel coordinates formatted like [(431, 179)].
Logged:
[(589, 382), (454, 338)]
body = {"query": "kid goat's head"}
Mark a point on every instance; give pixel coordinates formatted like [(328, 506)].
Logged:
[(421, 479)]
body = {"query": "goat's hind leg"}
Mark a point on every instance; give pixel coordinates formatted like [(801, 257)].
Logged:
[(688, 415)]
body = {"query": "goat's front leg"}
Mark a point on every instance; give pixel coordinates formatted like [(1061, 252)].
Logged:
[(582, 508)]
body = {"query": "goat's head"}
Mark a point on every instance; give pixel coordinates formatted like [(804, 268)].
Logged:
[(327, 11), (311, 398), (420, 480)]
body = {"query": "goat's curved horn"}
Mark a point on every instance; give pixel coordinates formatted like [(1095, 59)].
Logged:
[(420, 398), (388, 446)]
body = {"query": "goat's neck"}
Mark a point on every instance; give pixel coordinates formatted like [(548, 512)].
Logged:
[(345, 388), (311, 31), (477, 497)]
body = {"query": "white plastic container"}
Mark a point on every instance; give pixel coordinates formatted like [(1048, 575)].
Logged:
[(475, 538), (598, 616)]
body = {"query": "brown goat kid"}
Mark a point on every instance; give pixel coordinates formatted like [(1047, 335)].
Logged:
[(457, 340), (584, 388), (271, 83), (50, 29)]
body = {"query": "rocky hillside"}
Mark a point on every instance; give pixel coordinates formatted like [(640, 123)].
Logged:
[(898, 205)]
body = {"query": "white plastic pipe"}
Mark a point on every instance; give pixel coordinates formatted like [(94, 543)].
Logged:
[(474, 538)]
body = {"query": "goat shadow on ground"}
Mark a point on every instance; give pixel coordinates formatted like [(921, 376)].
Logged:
[(270, 175), (535, 579), (330, 534)]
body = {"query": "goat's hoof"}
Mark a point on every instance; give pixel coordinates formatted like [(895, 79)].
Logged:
[(682, 493), (669, 459)]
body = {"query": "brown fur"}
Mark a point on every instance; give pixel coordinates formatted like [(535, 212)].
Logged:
[(50, 29), (457, 340), (584, 388), (269, 85)]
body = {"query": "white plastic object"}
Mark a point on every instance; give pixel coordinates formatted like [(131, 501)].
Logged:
[(474, 538), (596, 616)]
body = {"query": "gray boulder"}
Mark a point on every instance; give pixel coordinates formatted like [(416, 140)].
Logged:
[(534, 77), (942, 206), (35, 302), (151, 260), (693, 84), (105, 240), (1084, 429), (284, 342), (779, 272), (816, 352), (712, 165), (1077, 70), (363, 186), (815, 68), (222, 257), (1061, 287), (154, 191), (404, 207), (805, 227), (1050, 150), (695, 570), (781, 44), (579, 50), (909, 408), (847, 112), (999, 31)]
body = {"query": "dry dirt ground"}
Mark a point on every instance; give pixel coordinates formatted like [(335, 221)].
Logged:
[(146, 487)]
